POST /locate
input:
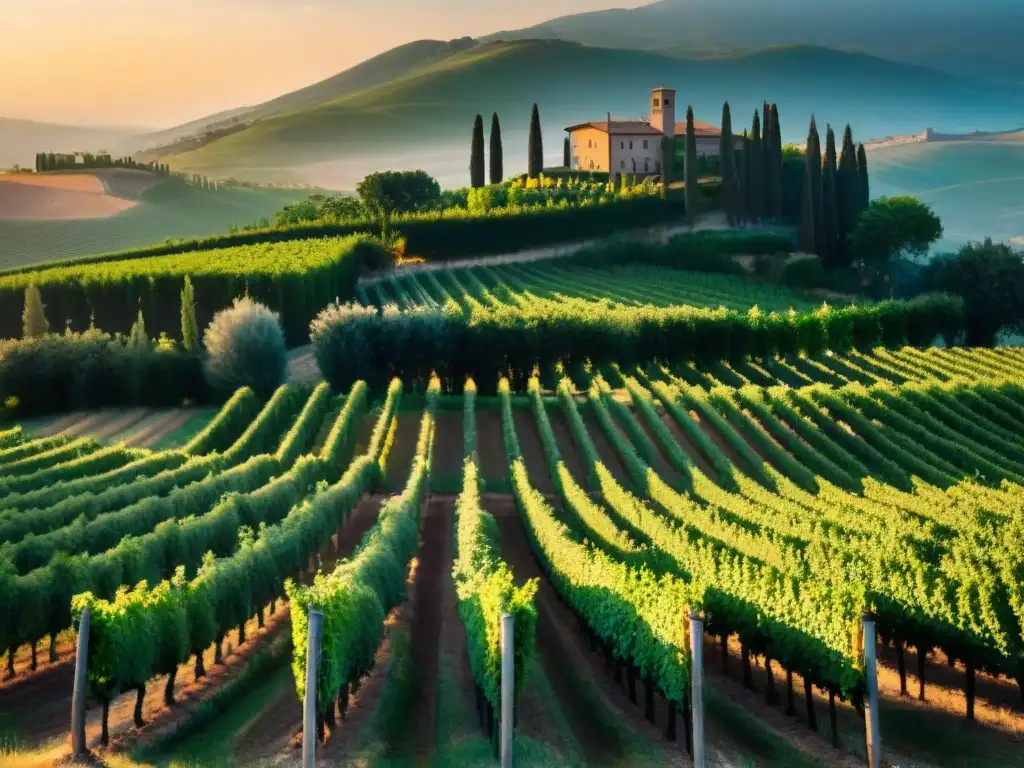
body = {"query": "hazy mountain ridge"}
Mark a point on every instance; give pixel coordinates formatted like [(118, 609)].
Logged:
[(978, 40), (434, 100)]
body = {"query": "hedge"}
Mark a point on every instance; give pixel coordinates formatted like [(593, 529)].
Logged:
[(453, 234), (295, 279), (93, 370), (353, 342), (704, 251)]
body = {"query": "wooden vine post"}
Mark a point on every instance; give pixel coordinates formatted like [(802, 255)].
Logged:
[(79, 749), (874, 736), (314, 638), (508, 687), (697, 682)]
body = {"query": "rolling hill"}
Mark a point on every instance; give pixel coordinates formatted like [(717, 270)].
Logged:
[(334, 132), (977, 40)]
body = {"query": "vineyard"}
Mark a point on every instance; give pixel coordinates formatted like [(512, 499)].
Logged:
[(781, 498)]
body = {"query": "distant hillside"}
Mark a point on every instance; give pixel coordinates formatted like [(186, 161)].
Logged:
[(979, 39), (21, 139), (424, 114)]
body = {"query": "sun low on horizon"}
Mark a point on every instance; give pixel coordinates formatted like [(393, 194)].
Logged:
[(155, 64)]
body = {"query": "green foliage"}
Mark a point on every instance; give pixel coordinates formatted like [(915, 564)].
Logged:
[(727, 160), (245, 347), (262, 435), (320, 207), (690, 168), (476, 154), (227, 425), (989, 277), (299, 439), (92, 370), (864, 185), (75, 460), (566, 153), (390, 192), (34, 322), (295, 279), (830, 202), (757, 186), (633, 612), (804, 273), (478, 341), (356, 597), (189, 327), (497, 165), (535, 146), (894, 229), (812, 216), (137, 336), (52, 508), (484, 582), (848, 197)]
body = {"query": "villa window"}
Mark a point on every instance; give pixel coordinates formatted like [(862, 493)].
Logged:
[(645, 143), (647, 165), (631, 145), (622, 164), (622, 145), (657, 102), (668, 103)]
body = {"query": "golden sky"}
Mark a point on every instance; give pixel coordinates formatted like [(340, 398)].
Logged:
[(159, 63)]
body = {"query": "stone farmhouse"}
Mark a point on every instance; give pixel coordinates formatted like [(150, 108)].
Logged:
[(636, 147)]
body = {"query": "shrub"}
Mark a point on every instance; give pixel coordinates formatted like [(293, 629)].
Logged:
[(245, 348), (804, 273), (92, 370)]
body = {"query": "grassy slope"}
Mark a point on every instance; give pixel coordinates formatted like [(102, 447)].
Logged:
[(977, 188), (168, 210), (439, 99)]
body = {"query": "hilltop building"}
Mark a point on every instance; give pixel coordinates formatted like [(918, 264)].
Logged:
[(635, 147)]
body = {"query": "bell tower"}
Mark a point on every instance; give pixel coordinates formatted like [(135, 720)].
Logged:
[(663, 110)]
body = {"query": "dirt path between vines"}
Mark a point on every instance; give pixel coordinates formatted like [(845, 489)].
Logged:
[(435, 557), (563, 657)]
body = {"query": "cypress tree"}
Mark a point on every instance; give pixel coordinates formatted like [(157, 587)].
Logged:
[(864, 184), (727, 163), (690, 193), (33, 318), (766, 161), (535, 150), (137, 336), (756, 166), (476, 154), (743, 181), (809, 217), (830, 202), (566, 159), (847, 194), (774, 195), (189, 327), (497, 158)]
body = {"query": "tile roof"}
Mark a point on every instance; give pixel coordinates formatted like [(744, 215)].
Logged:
[(643, 128)]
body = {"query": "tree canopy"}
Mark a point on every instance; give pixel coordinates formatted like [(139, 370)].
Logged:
[(894, 228), (990, 279), (389, 192)]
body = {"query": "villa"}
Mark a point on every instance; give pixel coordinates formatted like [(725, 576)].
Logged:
[(636, 147)]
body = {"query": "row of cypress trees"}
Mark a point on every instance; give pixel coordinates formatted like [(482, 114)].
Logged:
[(836, 190), (535, 151), (57, 161), (752, 175)]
